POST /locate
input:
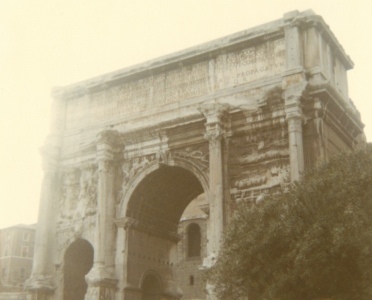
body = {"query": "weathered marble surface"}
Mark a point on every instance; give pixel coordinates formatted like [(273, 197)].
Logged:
[(233, 119)]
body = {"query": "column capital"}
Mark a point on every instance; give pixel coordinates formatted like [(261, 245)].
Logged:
[(214, 132), (217, 120), (107, 143), (108, 136), (295, 91), (214, 112), (294, 95)]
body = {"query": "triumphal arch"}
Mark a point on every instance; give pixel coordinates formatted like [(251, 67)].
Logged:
[(128, 151)]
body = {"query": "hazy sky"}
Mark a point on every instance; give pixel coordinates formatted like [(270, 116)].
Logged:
[(46, 43)]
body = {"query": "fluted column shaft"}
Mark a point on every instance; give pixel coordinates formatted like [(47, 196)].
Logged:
[(215, 133), (294, 84), (43, 267), (296, 150), (42, 264), (41, 283), (101, 277), (216, 188)]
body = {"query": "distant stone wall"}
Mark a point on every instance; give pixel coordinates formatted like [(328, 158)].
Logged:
[(189, 277)]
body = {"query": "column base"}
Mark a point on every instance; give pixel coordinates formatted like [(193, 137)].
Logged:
[(101, 286), (40, 287)]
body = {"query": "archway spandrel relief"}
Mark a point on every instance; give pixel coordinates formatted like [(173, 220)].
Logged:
[(67, 236), (195, 159)]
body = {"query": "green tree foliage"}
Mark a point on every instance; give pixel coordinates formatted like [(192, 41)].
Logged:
[(311, 242)]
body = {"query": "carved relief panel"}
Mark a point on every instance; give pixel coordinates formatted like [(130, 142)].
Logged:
[(259, 162), (199, 154), (79, 193), (69, 193)]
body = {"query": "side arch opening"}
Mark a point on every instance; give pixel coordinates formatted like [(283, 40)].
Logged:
[(151, 288), (78, 261)]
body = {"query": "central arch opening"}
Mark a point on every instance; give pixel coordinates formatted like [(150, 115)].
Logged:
[(160, 199), (155, 208)]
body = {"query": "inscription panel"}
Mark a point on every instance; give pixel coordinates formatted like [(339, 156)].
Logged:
[(235, 68), (178, 84)]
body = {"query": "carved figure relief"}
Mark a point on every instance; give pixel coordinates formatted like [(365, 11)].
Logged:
[(64, 238), (125, 167), (137, 164), (88, 193), (129, 168), (164, 156), (197, 153), (261, 162), (70, 193), (79, 193)]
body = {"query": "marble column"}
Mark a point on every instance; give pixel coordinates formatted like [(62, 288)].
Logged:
[(295, 120), (215, 114), (101, 282), (294, 85), (41, 283), (126, 290)]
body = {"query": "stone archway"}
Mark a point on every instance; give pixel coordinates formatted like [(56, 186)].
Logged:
[(78, 260), (153, 213), (151, 287)]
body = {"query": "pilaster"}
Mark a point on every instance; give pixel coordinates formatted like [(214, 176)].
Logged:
[(293, 45)]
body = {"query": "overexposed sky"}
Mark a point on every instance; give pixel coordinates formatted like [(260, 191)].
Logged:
[(47, 43)]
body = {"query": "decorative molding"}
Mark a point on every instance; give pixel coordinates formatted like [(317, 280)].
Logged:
[(198, 153)]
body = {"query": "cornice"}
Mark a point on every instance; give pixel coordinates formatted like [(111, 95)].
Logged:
[(203, 51), (309, 19), (347, 108)]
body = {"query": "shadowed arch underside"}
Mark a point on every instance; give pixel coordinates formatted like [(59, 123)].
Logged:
[(161, 197)]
